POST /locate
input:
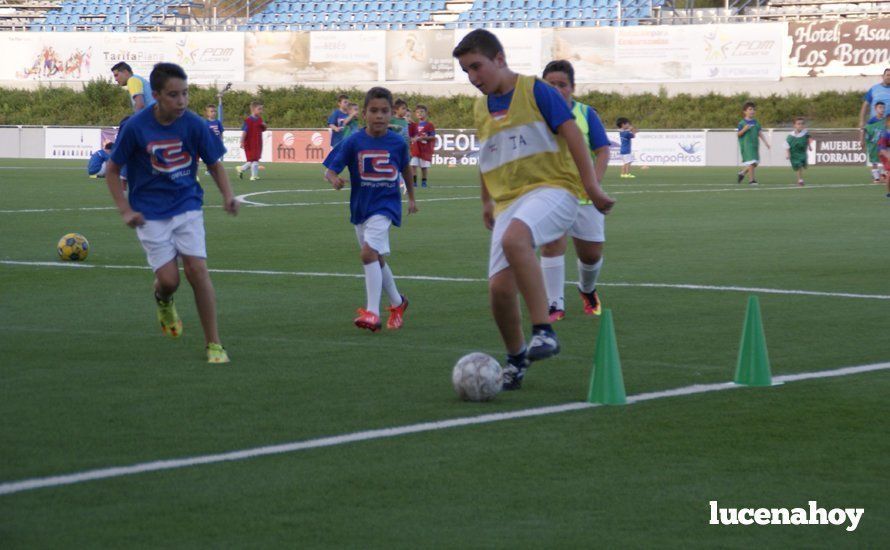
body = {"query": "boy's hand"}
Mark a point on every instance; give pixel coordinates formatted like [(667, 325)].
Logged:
[(602, 201), (231, 205), (412, 206), (133, 218), (488, 214), (337, 182)]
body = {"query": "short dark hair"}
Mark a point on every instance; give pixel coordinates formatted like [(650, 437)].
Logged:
[(210, 106), (422, 106), (887, 69), (162, 72), (400, 103), (341, 97), (123, 121), (621, 122), (109, 146), (121, 66), (256, 103), (479, 41), (800, 118), (560, 66), (378, 92), (749, 104), (880, 103)]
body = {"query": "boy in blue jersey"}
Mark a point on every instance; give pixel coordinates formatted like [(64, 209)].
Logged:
[(213, 114), (377, 158), (137, 87), (98, 161), (589, 229), (337, 120), (626, 132), (160, 147), (533, 164)]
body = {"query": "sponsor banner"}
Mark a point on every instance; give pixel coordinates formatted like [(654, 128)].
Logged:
[(837, 149), (310, 146), (291, 57), (663, 148), (525, 49), (419, 55), (455, 148), (206, 57), (652, 53), (72, 143), (737, 52), (234, 152), (837, 48)]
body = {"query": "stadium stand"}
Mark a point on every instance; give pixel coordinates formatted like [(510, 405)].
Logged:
[(284, 15)]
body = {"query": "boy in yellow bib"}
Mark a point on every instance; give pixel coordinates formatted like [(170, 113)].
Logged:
[(534, 166)]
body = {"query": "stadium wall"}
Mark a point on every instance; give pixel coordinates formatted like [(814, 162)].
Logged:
[(458, 147), (783, 56)]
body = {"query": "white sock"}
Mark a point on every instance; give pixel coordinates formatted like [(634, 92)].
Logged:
[(373, 286), (588, 274), (254, 169), (554, 269), (389, 285), (244, 166), (876, 173)]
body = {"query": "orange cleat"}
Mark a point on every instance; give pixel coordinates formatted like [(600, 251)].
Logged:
[(396, 313), (367, 319), (592, 305)]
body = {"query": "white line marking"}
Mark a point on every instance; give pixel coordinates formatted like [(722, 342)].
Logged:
[(11, 487), (715, 288)]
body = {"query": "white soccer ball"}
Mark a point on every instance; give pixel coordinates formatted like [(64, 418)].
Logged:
[(477, 377)]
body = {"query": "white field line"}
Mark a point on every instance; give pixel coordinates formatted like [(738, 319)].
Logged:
[(715, 288), (445, 199), (11, 487)]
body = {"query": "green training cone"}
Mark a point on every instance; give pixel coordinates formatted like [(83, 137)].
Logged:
[(606, 381), (753, 367)]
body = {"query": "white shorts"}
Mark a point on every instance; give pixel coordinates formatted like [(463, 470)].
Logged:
[(101, 172), (164, 240), (375, 233), (590, 224), (548, 212), (417, 161), (750, 162), (627, 158)]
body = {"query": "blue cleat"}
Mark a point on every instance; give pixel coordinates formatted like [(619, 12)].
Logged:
[(543, 345), (514, 372)]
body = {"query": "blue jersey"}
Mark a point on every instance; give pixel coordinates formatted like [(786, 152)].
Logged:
[(162, 162), (552, 105), (375, 164), (625, 136), (876, 93), (97, 159), (216, 126), (337, 119)]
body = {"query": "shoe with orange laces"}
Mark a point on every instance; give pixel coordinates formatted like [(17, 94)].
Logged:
[(592, 305), (556, 314), (367, 319), (396, 314)]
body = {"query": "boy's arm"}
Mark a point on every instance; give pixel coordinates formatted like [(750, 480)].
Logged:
[(218, 173), (408, 176), (763, 139), (569, 131), (219, 109), (601, 163), (487, 205), (744, 130), (334, 179), (113, 180)]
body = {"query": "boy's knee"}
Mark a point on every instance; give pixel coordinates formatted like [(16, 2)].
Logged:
[(195, 269), (369, 255), (517, 238)]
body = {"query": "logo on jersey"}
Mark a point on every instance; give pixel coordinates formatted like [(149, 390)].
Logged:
[(167, 155), (376, 166)]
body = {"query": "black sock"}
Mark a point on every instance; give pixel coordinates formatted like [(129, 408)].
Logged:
[(517, 358), (546, 327)]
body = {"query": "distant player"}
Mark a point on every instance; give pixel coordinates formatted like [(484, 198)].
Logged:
[(160, 146), (376, 158), (627, 133), (797, 144), (533, 163), (749, 132), (884, 148), (589, 229), (213, 114), (422, 135), (871, 134), (98, 161), (337, 119), (139, 89), (351, 124), (399, 124), (252, 141)]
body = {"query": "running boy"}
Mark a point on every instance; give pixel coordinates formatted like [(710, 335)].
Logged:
[(749, 131), (797, 144), (160, 146), (376, 158), (627, 132), (533, 162), (336, 120), (351, 123), (884, 152), (99, 161), (871, 134), (213, 114), (589, 229), (423, 140), (252, 141)]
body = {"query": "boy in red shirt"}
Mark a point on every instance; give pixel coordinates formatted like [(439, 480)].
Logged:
[(252, 141), (422, 137)]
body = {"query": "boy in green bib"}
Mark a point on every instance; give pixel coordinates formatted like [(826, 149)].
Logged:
[(797, 144)]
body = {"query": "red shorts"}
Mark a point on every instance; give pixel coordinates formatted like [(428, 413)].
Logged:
[(253, 155)]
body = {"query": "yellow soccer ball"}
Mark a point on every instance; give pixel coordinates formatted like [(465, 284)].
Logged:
[(74, 247)]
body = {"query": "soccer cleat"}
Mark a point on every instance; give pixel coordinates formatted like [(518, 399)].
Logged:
[(396, 314), (740, 177), (543, 345), (423, 183), (556, 314), (592, 305), (171, 324), (514, 373), (217, 354), (800, 183), (753, 183), (367, 319), (254, 178), (240, 172), (631, 176)]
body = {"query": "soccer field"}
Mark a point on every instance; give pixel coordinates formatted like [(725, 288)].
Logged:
[(89, 382)]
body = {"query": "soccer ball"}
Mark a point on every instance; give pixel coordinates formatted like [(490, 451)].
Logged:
[(74, 247), (477, 377)]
